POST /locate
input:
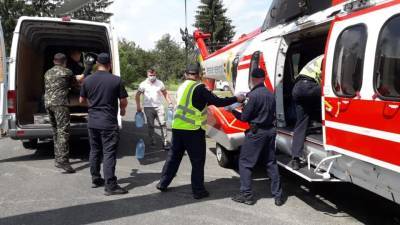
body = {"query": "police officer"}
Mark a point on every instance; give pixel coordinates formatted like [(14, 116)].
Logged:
[(57, 82), (307, 98), (103, 90), (259, 142), (188, 130)]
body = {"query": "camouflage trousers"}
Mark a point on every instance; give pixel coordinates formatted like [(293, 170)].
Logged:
[(59, 119)]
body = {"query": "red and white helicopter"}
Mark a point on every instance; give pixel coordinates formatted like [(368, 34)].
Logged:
[(359, 139)]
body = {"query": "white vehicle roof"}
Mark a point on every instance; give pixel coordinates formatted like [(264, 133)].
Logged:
[(52, 19)]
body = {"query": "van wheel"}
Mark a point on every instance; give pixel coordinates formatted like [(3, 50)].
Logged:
[(224, 157), (226, 88), (30, 144)]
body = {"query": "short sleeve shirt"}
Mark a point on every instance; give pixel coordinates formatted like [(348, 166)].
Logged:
[(103, 90), (152, 92)]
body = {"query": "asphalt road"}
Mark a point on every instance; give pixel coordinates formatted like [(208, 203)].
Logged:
[(33, 191)]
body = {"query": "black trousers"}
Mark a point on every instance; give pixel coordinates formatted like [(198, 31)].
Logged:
[(307, 97), (103, 147), (194, 143), (261, 144)]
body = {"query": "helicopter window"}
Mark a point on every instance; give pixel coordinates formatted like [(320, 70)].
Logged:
[(387, 61), (284, 11), (349, 61), (254, 64), (235, 64), (295, 64)]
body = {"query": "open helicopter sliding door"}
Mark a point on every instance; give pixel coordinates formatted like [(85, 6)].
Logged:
[(362, 87), (3, 83)]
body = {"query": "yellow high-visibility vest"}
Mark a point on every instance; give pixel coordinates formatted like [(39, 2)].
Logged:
[(186, 116), (313, 69)]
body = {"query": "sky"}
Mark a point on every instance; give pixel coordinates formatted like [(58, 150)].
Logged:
[(146, 21)]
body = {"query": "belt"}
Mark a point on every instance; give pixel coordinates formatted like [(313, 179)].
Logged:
[(305, 78), (259, 126)]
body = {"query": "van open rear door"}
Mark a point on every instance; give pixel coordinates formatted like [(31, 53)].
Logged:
[(3, 82)]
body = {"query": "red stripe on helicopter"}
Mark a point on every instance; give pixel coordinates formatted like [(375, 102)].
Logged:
[(244, 66), (358, 112), (376, 148)]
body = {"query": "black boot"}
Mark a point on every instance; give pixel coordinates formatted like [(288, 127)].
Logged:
[(201, 194), (279, 201), (161, 188), (65, 166), (99, 182), (296, 164), (244, 198), (117, 190)]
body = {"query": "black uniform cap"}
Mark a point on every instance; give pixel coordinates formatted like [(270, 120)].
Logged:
[(103, 58), (193, 69), (258, 73)]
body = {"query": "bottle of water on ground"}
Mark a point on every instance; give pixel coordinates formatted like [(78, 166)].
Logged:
[(170, 115), (139, 119), (140, 149)]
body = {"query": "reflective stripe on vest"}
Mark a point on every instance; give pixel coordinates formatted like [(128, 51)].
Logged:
[(186, 116), (313, 69)]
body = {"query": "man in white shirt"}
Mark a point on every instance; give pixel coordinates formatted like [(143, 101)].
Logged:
[(153, 91)]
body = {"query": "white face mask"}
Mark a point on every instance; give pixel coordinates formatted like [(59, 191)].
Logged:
[(152, 78)]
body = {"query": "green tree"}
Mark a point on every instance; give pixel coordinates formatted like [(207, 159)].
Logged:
[(167, 58), (170, 58), (134, 62), (210, 18), (10, 11), (94, 11)]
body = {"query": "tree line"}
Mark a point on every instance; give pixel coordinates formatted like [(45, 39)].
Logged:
[(167, 58)]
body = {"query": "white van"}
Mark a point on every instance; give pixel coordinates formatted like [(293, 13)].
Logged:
[(34, 44)]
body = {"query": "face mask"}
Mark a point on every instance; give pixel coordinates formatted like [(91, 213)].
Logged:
[(152, 78)]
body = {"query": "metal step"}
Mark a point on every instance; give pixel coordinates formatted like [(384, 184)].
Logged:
[(309, 175)]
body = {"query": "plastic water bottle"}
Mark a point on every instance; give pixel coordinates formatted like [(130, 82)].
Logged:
[(139, 119), (170, 115), (140, 149)]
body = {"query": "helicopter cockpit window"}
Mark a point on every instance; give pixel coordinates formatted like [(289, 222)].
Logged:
[(283, 11)]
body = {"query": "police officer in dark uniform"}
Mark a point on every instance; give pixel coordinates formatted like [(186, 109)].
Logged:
[(259, 142), (188, 130), (103, 91)]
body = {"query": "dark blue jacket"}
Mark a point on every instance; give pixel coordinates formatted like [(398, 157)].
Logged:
[(259, 109)]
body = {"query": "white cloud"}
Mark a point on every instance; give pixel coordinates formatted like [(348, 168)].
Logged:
[(145, 21)]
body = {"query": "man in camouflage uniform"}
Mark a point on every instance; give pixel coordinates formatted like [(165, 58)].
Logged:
[(57, 81)]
